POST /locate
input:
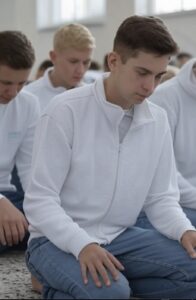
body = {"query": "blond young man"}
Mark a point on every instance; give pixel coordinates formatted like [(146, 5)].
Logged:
[(73, 45), (103, 153)]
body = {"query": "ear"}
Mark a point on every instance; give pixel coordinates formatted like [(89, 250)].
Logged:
[(113, 59), (52, 55)]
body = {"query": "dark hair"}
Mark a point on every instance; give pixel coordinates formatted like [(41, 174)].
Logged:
[(148, 34), (45, 64), (181, 55), (16, 50), (94, 65)]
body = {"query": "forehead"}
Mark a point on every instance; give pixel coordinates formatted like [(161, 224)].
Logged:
[(75, 53), (150, 61), (12, 75)]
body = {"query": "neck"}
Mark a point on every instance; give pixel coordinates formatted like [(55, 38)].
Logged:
[(113, 96), (56, 81)]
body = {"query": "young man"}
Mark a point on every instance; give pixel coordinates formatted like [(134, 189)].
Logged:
[(73, 45), (19, 114), (178, 97), (102, 154)]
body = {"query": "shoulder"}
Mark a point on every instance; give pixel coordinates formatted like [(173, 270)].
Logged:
[(168, 90), (26, 102), (158, 112), (160, 118), (31, 87), (71, 99)]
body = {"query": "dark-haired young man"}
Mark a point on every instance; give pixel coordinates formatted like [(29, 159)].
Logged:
[(115, 158), (19, 113)]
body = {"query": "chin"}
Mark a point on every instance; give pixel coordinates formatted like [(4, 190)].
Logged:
[(140, 99), (3, 101)]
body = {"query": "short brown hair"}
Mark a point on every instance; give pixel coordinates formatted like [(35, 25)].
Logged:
[(16, 50), (140, 33), (74, 36)]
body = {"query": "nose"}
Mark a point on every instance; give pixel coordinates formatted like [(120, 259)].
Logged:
[(81, 69), (149, 84), (12, 90)]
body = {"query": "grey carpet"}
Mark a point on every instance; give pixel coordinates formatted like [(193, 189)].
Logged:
[(14, 277)]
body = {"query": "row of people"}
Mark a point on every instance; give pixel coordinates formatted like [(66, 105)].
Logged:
[(103, 170)]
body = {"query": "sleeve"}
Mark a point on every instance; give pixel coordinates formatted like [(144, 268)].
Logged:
[(187, 192), (51, 163), (162, 204), (24, 153), (162, 97)]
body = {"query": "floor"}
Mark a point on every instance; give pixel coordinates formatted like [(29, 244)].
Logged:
[(14, 277)]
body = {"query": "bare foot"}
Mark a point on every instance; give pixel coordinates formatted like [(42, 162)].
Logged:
[(36, 286)]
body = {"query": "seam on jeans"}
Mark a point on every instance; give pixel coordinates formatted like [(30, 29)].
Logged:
[(187, 277), (54, 266), (34, 271), (163, 294)]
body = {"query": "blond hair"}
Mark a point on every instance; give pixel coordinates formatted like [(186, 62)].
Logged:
[(74, 36)]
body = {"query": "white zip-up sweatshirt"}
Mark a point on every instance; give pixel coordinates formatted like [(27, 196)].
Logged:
[(43, 89), (87, 187), (178, 97), (18, 120)]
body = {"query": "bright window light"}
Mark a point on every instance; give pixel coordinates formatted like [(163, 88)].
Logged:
[(160, 7), (52, 13)]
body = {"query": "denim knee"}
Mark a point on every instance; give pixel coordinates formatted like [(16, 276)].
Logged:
[(119, 289)]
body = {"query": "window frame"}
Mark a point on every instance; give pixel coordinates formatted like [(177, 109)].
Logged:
[(147, 7), (54, 18)]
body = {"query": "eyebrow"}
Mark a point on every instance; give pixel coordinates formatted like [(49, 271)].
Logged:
[(11, 82), (150, 72)]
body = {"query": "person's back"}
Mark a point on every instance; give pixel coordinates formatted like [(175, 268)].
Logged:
[(94, 72), (19, 112), (178, 98), (71, 56), (103, 153)]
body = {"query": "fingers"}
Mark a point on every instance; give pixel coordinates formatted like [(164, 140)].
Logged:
[(13, 224), (21, 231), (2, 237), (84, 273), (116, 262), (94, 273), (191, 251), (11, 233), (99, 264), (188, 241)]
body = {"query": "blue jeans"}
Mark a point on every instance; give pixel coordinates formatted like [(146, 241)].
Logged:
[(143, 222), (155, 267), (16, 199), (16, 180)]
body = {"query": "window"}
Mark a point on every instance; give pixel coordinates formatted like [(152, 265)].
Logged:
[(53, 13), (160, 7)]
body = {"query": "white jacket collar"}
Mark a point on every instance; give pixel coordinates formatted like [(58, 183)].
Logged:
[(142, 112)]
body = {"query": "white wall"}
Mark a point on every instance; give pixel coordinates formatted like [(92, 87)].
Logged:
[(183, 29), (21, 15)]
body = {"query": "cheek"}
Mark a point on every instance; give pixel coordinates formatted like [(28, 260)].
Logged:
[(3, 89), (64, 69)]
